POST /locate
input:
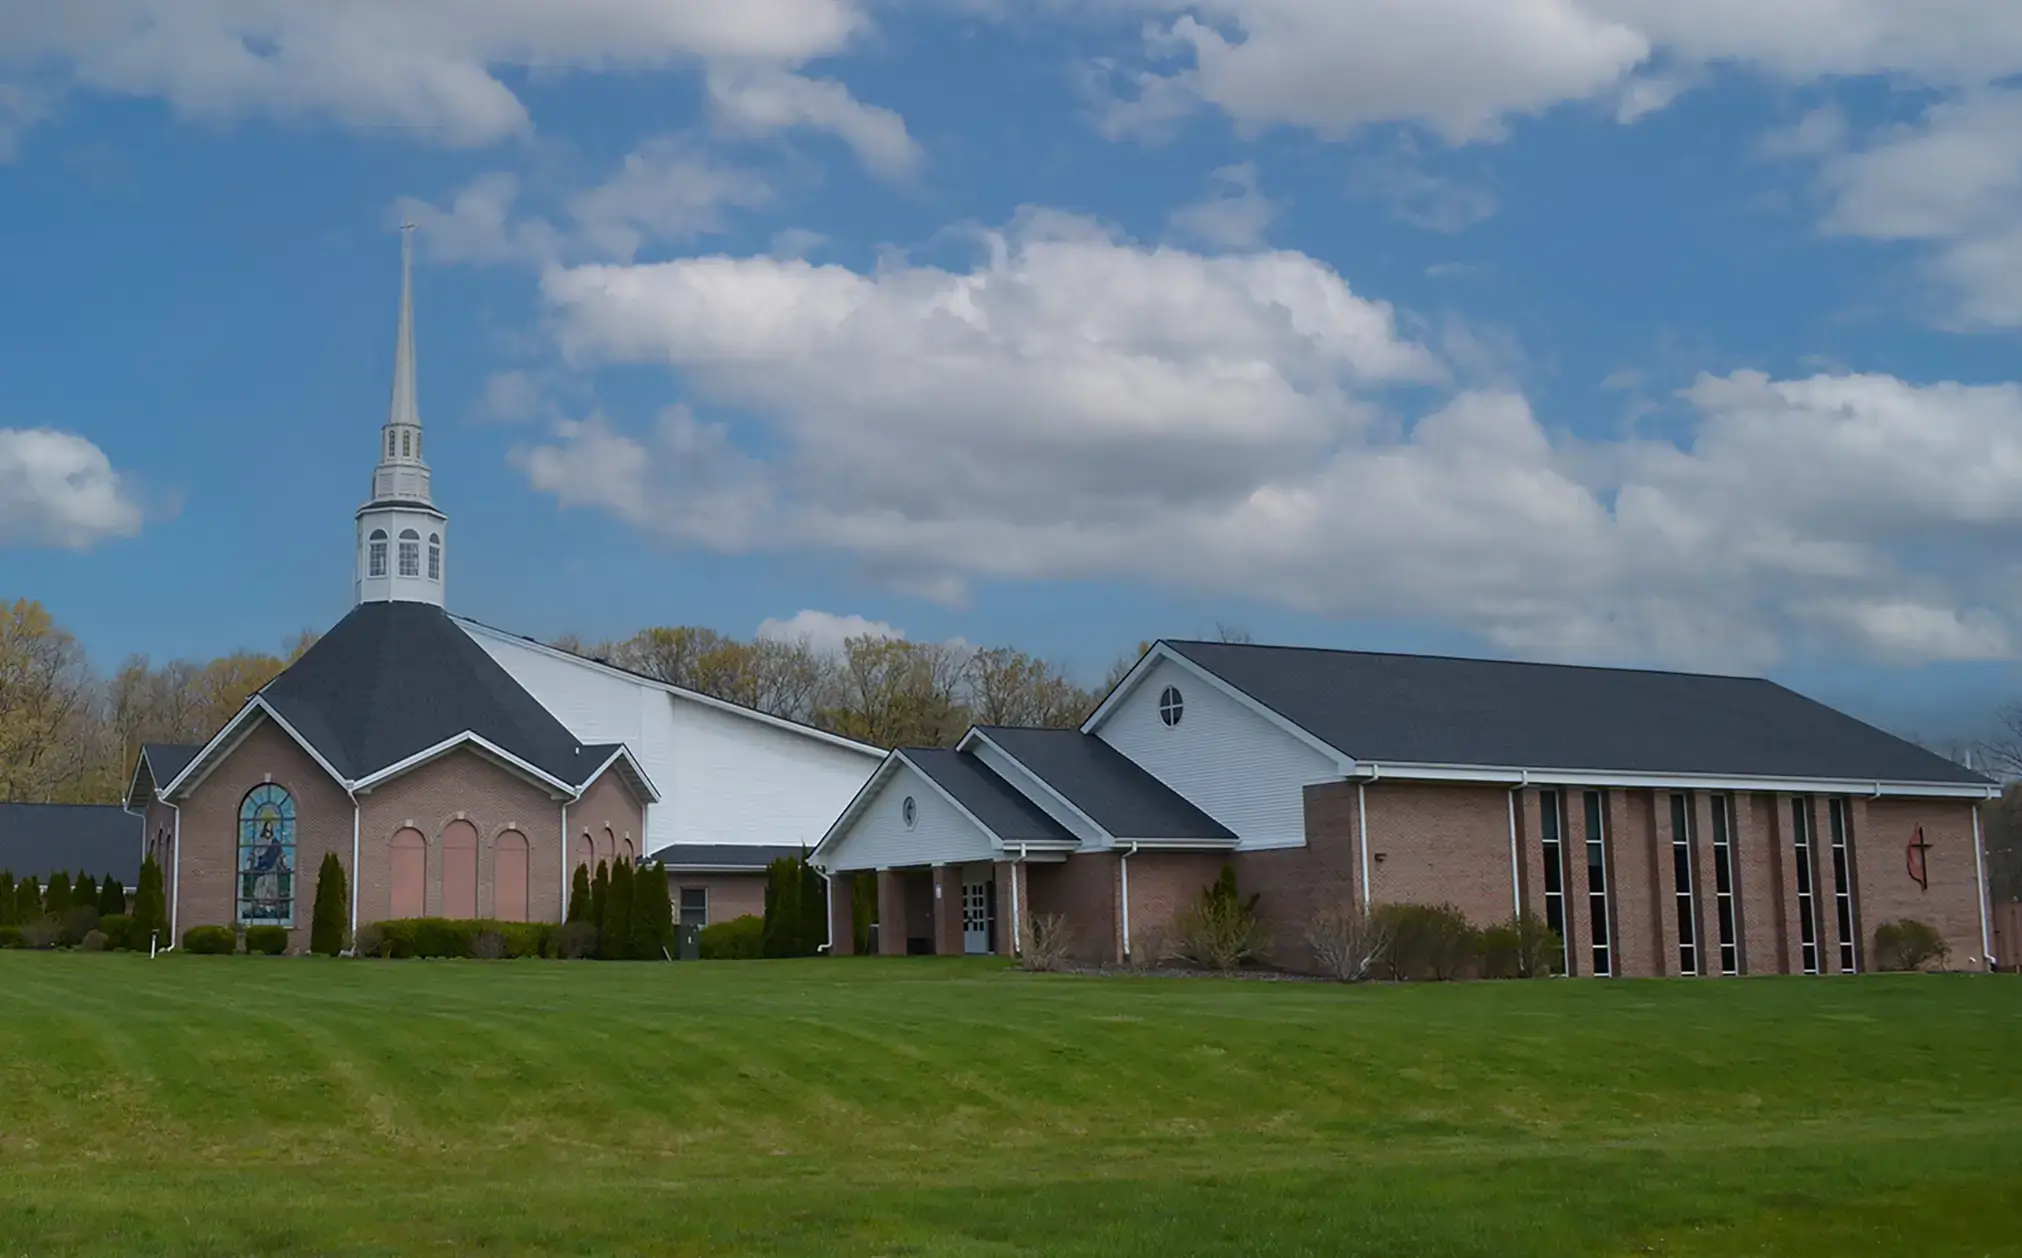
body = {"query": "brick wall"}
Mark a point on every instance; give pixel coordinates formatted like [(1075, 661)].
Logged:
[(1441, 843), (613, 815), (1293, 882), (1083, 890), (1886, 892), (891, 913), (730, 895), (461, 786), (1161, 885), (207, 891)]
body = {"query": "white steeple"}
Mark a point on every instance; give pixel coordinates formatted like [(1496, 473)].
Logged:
[(400, 532)]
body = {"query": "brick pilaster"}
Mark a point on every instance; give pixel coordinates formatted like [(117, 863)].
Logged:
[(842, 939), (1706, 883), (891, 913), (947, 910)]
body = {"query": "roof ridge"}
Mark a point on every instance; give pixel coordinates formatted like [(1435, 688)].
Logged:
[(1471, 659)]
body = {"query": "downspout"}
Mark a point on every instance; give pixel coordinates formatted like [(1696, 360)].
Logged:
[(1980, 881), (1516, 889), (1362, 826), (176, 878), (354, 871), (828, 899), (565, 862), (1017, 920), (1123, 863)]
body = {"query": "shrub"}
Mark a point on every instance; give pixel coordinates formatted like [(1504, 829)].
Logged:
[(488, 945), (652, 913), (1909, 945), (1149, 948), (739, 939), (1048, 942), (41, 933), (863, 910), (27, 901), (1428, 941), (1347, 942), (327, 921), (456, 937), (1220, 929), (614, 930), (1523, 947), (574, 941), (796, 908), (371, 942), (111, 898), (56, 896), (84, 890), (10, 935), (118, 928), (600, 896), (266, 941), (210, 941), (95, 941), (80, 921), (150, 907), (581, 902), (6, 897)]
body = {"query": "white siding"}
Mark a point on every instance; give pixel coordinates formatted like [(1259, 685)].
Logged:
[(1227, 760), (723, 777), (878, 838), (1025, 784)]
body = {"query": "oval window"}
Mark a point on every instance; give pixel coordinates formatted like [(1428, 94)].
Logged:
[(910, 811), (1171, 707)]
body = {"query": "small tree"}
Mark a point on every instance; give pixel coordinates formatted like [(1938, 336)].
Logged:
[(652, 912), (111, 897), (56, 898), (1220, 929), (600, 897), (614, 939), (1908, 945), (795, 908), (150, 907), (6, 898), (84, 889), (27, 902), (329, 920), (580, 902), (1428, 941)]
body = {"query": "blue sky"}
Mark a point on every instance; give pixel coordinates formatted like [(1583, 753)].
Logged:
[(1599, 330)]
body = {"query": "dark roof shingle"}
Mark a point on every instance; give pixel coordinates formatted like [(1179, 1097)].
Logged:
[(989, 798), (165, 760), (1415, 709), (37, 840), (1105, 784), (755, 857)]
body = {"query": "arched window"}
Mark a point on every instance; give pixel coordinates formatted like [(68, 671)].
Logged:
[(608, 848), (459, 870), (410, 873), (435, 556), (406, 444), (267, 857), (410, 553), (375, 553), (625, 851), (509, 877), (389, 443)]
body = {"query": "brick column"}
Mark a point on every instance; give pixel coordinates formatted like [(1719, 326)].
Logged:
[(1786, 872), (1756, 872), (1706, 883), (891, 913), (1631, 880), (1574, 841), (842, 939), (1664, 884), (947, 910)]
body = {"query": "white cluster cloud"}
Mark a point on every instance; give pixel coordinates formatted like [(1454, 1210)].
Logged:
[(824, 631), (436, 70), (1080, 406), (1234, 214), (58, 489)]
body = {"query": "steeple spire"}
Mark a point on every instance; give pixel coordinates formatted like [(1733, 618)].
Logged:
[(400, 554)]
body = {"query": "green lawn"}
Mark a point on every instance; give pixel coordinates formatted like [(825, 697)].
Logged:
[(937, 1107)]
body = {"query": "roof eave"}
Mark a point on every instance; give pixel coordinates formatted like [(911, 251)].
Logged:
[(1518, 775)]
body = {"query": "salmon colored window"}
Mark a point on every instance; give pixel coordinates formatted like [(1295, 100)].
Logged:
[(459, 870), (509, 877), (410, 874)]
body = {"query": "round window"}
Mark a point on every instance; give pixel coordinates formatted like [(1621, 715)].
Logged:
[(1171, 707), (910, 810)]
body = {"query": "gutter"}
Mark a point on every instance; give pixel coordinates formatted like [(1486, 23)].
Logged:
[(1980, 884), (1516, 889), (356, 808), (176, 878), (1123, 864), (828, 899), (1362, 826)]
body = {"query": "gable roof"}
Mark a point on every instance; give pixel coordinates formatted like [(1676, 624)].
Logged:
[(1440, 710), (166, 760), (1001, 808), (1104, 785), (37, 840)]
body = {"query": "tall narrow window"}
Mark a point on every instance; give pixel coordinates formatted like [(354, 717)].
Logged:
[(410, 553), (1842, 888), (1550, 842), (406, 444), (1723, 886), (375, 553), (389, 443), (267, 857), (1597, 884), (1681, 867), (1807, 906), (435, 556)]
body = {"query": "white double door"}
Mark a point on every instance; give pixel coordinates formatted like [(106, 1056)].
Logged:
[(976, 918)]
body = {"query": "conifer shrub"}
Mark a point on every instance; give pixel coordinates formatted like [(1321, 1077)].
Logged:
[(118, 928), (796, 908), (1909, 945), (56, 896), (266, 941), (1428, 941), (83, 890), (863, 910), (652, 913), (328, 921), (150, 908), (600, 896), (574, 941), (27, 901), (739, 939), (582, 904), (111, 897), (210, 941), (614, 936), (7, 898)]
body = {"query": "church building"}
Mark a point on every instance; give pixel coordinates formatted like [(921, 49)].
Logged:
[(458, 770)]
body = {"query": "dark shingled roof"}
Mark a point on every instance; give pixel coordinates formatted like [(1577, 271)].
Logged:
[(989, 798), (393, 679), (1416, 709), (37, 840), (1104, 783), (165, 760), (750, 856)]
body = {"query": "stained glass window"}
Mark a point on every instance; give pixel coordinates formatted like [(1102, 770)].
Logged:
[(267, 857), (410, 553)]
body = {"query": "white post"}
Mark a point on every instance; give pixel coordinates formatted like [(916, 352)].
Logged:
[(1516, 890), (1123, 863), (1980, 882), (1362, 836)]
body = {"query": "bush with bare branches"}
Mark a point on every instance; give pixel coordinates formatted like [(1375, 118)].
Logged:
[(1220, 929), (1047, 942), (1347, 942)]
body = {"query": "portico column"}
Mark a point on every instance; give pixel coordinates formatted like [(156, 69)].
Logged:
[(891, 913)]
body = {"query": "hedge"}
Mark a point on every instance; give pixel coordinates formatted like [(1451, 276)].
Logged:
[(453, 937), (10, 936), (739, 939), (269, 941), (210, 941), (118, 927)]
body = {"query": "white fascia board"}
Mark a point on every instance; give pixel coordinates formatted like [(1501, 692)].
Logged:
[(954, 803), (978, 736), (448, 745), (680, 692), (234, 732), (865, 793), (625, 753), (1516, 775), (1181, 845), (1161, 651)]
